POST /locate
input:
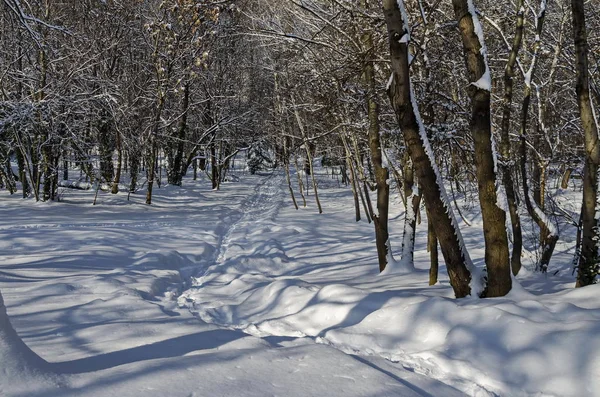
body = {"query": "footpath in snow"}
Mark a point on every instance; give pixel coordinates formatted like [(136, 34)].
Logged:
[(94, 291), (292, 276)]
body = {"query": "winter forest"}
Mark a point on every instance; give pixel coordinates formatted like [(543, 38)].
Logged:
[(299, 197)]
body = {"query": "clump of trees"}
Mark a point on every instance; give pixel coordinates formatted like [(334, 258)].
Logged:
[(435, 98)]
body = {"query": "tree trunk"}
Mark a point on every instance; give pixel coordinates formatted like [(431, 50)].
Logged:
[(309, 157), (22, 171), (494, 218), (54, 188), (115, 186), (134, 171), (151, 162), (151, 169), (352, 177), (300, 183), (432, 188), (355, 180), (65, 168), (589, 263), (507, 180), (433, 251), (213, 167), (380, 219), (286, 163), (413, 201), (537, 214), (177, 168), (9, 177)]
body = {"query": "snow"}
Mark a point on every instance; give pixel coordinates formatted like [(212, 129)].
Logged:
[(485, 81), (405, 23), (389, 82), (542, 11), (544, 218), (235, 293), (527, 76)]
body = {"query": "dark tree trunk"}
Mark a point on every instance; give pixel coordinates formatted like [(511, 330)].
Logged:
[(416, 140), (26, 190), (54, 188), (589, 263), (151, 168), (65, 169), (152, 157), (134, 171), (494, 218), (432, 247), (286, 164), (353, 181), (532, 199), (47, 167), (115, 185), (106, 149), (380, 220), (176, 173), (507, 180), (213, 166)]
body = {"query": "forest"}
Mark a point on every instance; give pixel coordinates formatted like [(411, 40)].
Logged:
[(473, 123)]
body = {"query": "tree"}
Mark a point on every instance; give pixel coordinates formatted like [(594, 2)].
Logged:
[(589, 263), (507, 180), (404, 104), (479, 90)]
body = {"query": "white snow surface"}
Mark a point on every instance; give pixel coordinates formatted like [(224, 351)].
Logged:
[(235, 293), (485, 81)]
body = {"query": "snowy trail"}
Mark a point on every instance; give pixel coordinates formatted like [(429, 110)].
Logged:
[(263, 203), (275, 302), (249, 264), (298, 277), (93, 291)]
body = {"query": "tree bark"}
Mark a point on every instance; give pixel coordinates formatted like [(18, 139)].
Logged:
[(154, 149), (433, 251), (309, 157), (589, 263), (286, 164), (177, 169), (494, 218), (507, 180), (548, 243), (300, 183), (22, 172), (432, 188), (380, 219), (214, 174), (413, 201), (115, 186)]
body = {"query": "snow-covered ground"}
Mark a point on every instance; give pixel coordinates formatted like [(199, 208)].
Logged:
[(235, 293)]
